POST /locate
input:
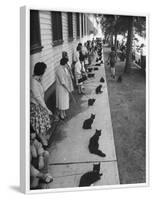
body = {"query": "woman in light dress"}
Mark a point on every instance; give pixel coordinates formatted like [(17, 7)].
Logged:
[(39, 113), (78, 69), (64, 86)]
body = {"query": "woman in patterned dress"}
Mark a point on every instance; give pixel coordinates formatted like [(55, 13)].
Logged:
[(39, 113)]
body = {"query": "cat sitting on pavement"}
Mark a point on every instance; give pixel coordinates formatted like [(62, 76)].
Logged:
[(94, 145), (88, 122), (98, 89), (91, 177), (91, 101)]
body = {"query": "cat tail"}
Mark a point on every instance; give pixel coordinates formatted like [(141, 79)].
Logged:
[(100, 153)]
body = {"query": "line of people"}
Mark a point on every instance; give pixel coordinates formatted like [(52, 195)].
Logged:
[(41, 118)]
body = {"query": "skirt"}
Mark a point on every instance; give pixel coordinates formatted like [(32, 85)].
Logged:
[(62, 98), (39, 119), (78, 77)]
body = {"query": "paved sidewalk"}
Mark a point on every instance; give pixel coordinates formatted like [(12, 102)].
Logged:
[(69, 154)]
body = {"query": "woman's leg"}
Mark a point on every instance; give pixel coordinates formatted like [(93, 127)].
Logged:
[(43, 140), (64, 113), (61, 114), (113, 71), (79, 89), (56, 116), (46, 161)]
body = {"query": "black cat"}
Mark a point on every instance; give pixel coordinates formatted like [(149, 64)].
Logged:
[(91, 102), (119, 79), (90, 69), (91, 75), (102, 80), (98, 64), (98, 89), (94, 145), (88, 122), (90, 177)]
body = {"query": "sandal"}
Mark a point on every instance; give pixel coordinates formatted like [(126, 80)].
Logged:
[(56, 119), (48, 178)]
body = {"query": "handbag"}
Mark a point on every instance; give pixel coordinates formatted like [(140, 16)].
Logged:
[(82, 79)]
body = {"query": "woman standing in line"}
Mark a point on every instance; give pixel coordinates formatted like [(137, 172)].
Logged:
[(78, 69), (39, 113), (64, 86), (65, 55)]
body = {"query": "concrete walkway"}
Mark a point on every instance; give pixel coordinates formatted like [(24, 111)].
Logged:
[(69, 155)]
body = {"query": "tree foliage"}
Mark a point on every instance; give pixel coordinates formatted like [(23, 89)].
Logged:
[(118, 24), (112, 25)]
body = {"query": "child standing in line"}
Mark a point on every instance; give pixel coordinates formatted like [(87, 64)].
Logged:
[(112, 59)]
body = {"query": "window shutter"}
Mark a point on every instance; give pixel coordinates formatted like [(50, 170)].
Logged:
[(35, 40), (57, 27), (70, 25), (82, 28), (78, 24)]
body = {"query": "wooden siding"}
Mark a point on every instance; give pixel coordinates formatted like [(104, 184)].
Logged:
[(50, 54)]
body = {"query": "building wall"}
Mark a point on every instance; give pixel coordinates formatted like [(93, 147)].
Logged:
[(50, 54)]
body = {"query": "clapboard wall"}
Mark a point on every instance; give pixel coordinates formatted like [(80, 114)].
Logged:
[(50, 54)]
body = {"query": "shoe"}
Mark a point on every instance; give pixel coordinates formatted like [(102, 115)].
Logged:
[(56, 119), (47, 178)]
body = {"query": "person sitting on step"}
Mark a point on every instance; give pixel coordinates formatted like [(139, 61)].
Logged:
[(38, 162)]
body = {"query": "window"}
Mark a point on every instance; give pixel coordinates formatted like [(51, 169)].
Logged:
[(35, 41), (70, 26), (82, 28), (57, 28), (78, 24)]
